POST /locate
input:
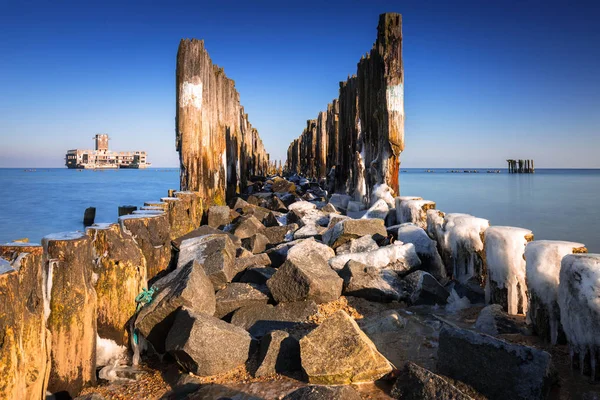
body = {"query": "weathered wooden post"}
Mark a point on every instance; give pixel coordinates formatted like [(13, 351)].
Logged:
[(89, 215), (126, 210)]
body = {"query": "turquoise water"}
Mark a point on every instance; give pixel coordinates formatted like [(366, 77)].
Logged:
[(554, 204)]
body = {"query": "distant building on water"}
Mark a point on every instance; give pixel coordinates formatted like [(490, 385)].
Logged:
[(103, 158)]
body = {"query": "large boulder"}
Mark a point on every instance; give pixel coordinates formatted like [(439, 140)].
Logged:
[(338, 352), (256, 243), (360, 245), (492, 320), (203, 231), (397, 256), (253, 260), (218, 216), (236, 295), (316, 392), (205, 345), (371, 283), (306, 276), (279, 234), (418, 383), (257, 275), (260, 319), (25, 352), (349, 229), (495, 368), (279, 352), (422, 288), (216, 254), (247, 226), (187, 286)]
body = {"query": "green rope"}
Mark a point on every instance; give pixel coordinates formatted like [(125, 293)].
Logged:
[(145, 297)]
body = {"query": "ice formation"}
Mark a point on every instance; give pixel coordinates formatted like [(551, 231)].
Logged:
[(378, 210), (543, 259), (504, 252), (405, 254), (457, 303), (460, 243), (383, 192), (414, 211), (579, 302), (425, 247), (110, 356), (5, 266)]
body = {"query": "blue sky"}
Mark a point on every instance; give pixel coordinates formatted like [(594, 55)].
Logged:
[(484, 82)]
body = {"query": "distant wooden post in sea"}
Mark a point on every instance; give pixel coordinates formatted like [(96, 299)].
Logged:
[(520, 166)]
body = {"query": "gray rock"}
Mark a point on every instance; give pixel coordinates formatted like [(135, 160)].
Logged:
[(315, 392), (205, 230), (237, 295), (238, 204), (495, 368), (187, 286), (270, 220), (378, 210), (205, 345), (264, 318), (216, 253), (278, 353), (306, 275), (340, 200), (218, 216), (276, 204), (247, 226), (308, 230), (371, 283), (349, 229), (360, 245), (338, 352), (329, 208), (493, 320), (278, 254), (277, 234), (257, 275), (417, 383), (241, 263), (422, 288), (257, 243)]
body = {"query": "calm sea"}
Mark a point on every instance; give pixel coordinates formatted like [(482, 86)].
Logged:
[(554, 204)]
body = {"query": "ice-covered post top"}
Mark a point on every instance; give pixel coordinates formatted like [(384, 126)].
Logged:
[(504, 252)]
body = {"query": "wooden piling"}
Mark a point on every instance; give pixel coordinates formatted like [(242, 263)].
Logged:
[(89, 215)]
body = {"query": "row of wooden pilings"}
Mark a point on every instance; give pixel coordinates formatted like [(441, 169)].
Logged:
[(520, 166)]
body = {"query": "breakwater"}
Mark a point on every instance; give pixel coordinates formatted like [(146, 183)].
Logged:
[(346, 289)]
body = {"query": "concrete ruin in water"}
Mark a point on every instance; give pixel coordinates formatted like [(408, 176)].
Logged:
[(328, 269)]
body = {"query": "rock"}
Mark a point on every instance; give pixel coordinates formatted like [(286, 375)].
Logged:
[(423, 288), (152, 234), (216, 254), (276, 204), (329, 208), (338, 352), (260, 213), (278, 353), (270, 220), (378, 210), (278, 234), (302, 206), (371, 283), (307, 231), (120, 269), (425, 247), (205, 345), (264, 318), (278, 254), (25, 351), (203, 231), (315, 392), (281, 185), (238, 204), (399, 257), (355, 206), (241, 263), (187, 286), (184, 212), (340, 200), (247, 226), (349, 229), (72, 297), (257, 243), (417, 383), (360, 245), (305, 275), (492, 320), (236, 295), (218, 216), (495, 368), (257, 275)]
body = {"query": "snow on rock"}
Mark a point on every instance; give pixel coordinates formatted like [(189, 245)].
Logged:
[(340, 200), (504, 252), (425, 247), (413, 210), (543, 260), (579, 302), (398, 256), (378, 210), (383, 192), (302, 206)]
